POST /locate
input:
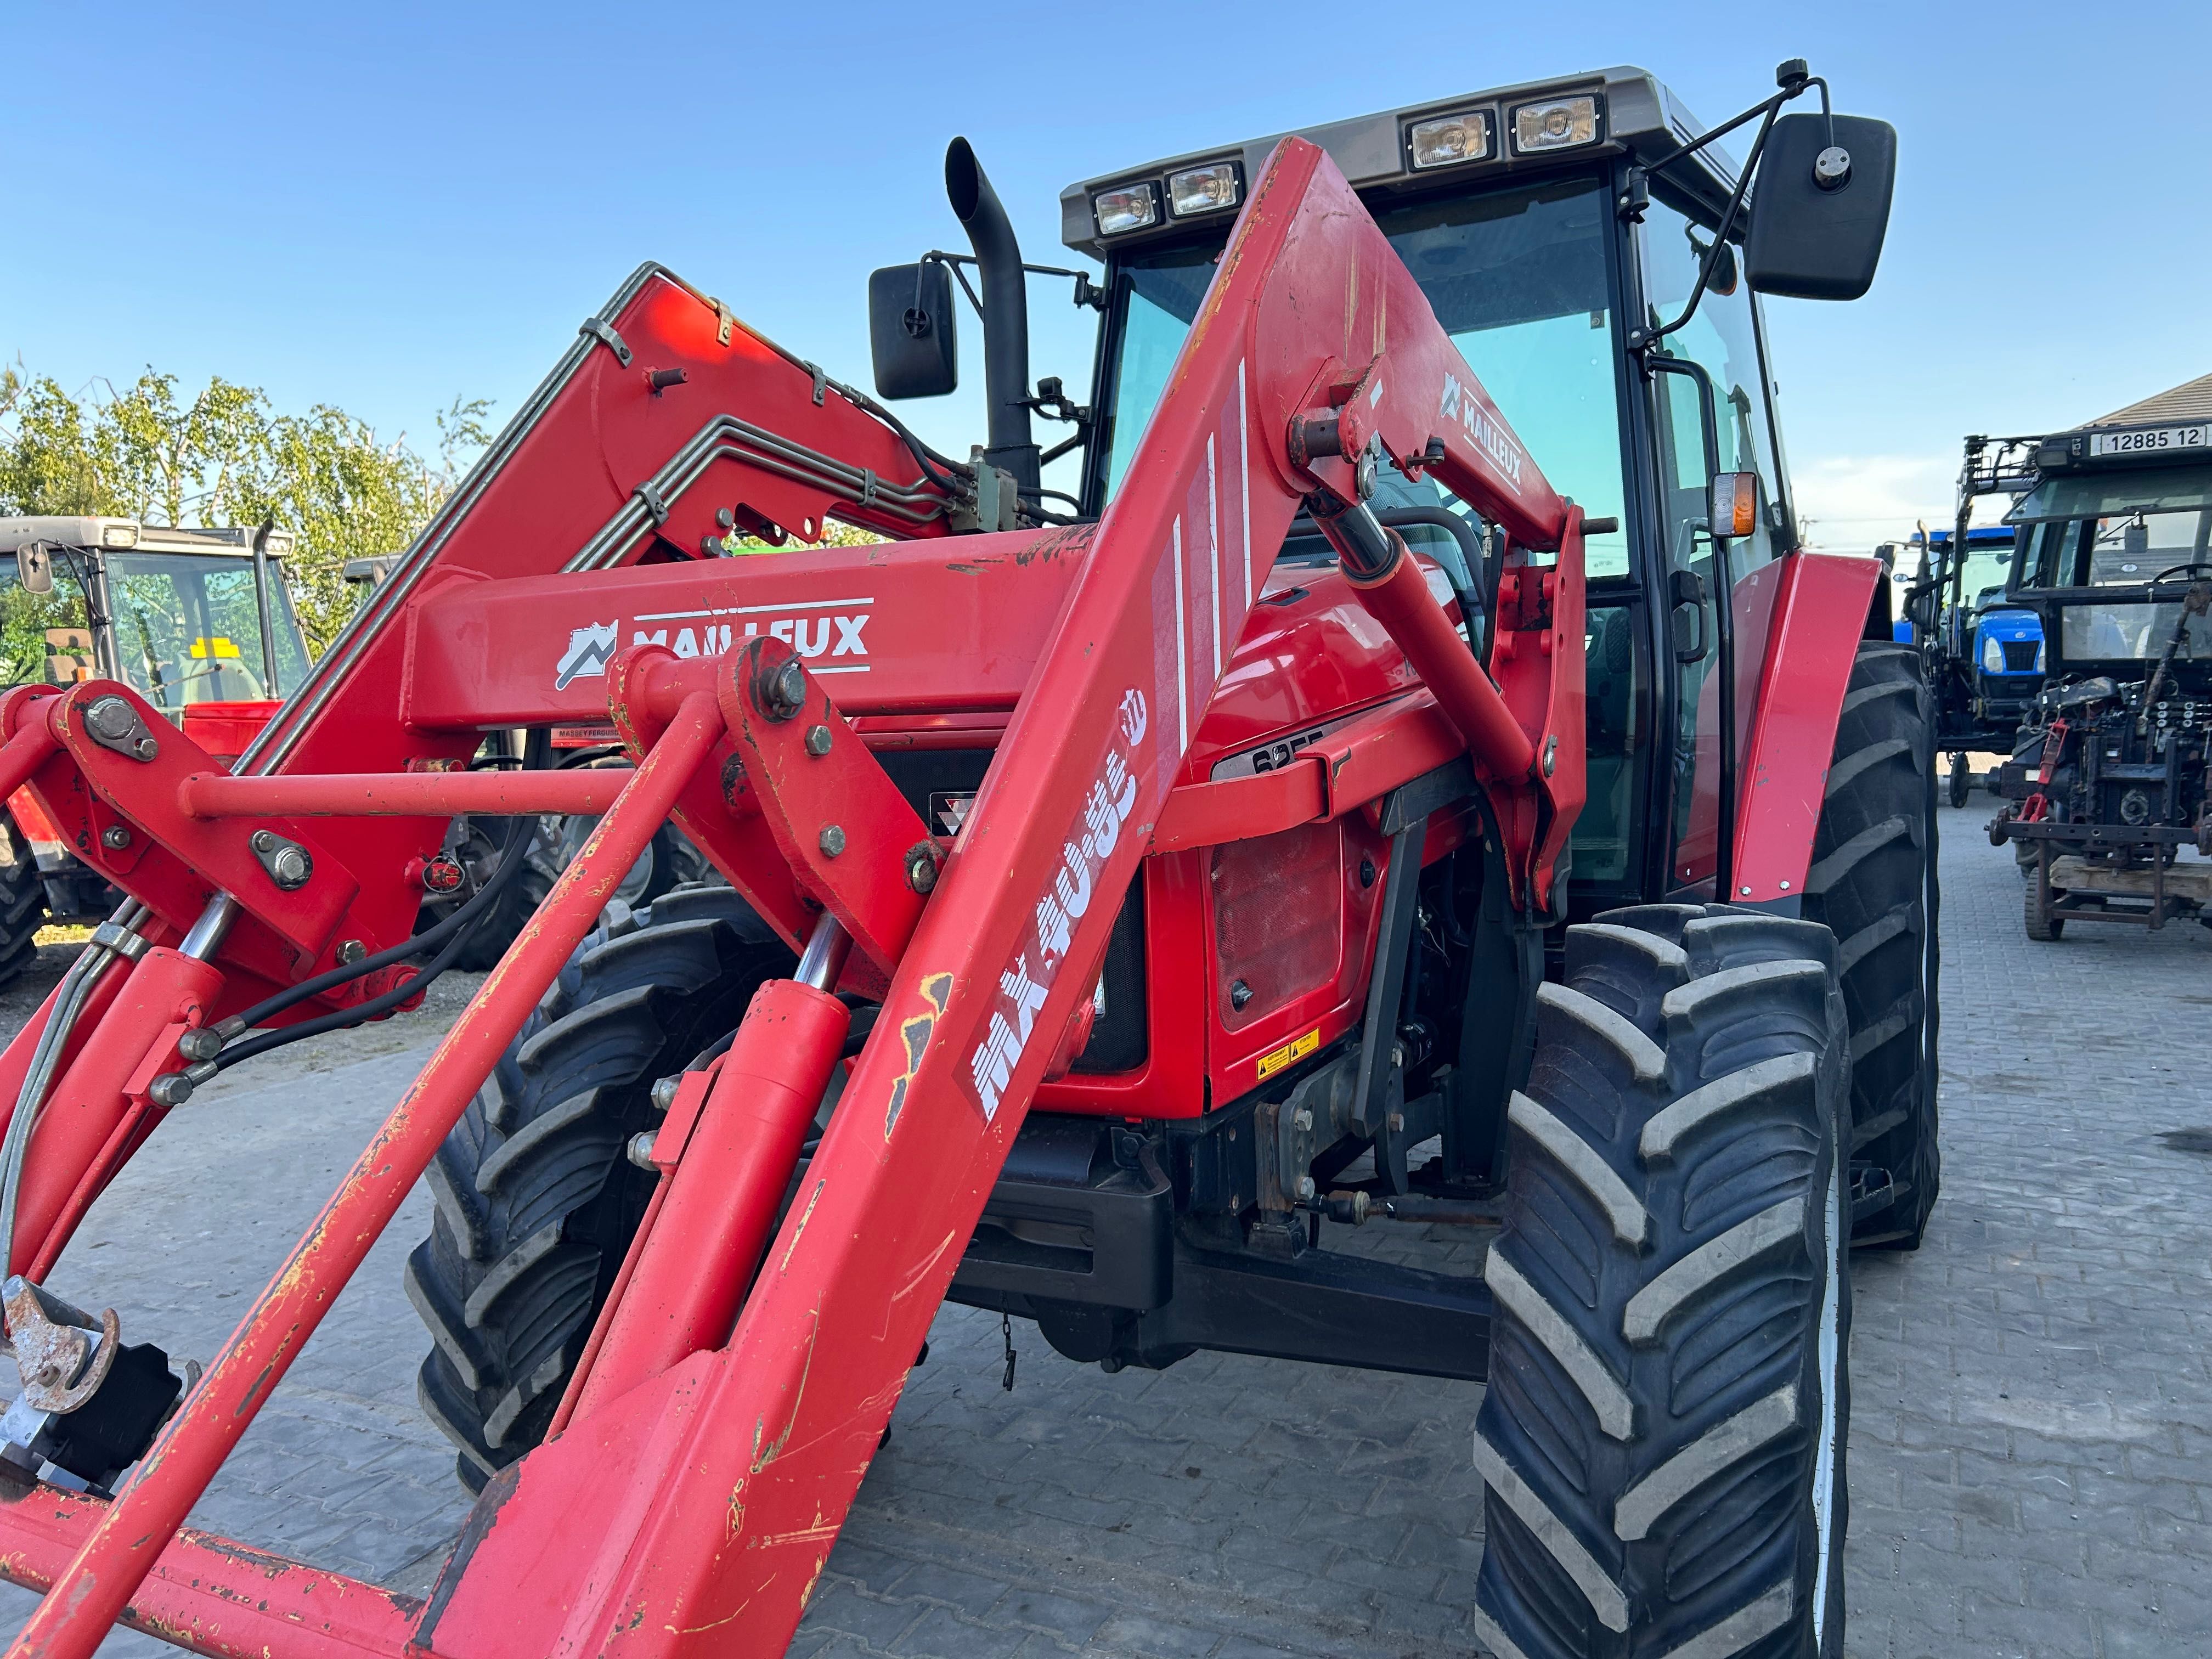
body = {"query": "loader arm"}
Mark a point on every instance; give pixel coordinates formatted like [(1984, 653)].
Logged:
[(690, 1507)]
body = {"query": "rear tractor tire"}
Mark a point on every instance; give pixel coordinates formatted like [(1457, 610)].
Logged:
[(536, 1201), (1663, 1439), (1873, 884)]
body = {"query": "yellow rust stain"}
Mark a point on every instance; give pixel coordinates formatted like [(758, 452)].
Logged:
[(765, 1456), (799, 1231), (913, 1034)]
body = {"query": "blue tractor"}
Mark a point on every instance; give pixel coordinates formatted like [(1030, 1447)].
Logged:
[(1983, 654)]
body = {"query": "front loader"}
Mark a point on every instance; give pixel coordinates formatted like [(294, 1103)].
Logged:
[(1120, 901)]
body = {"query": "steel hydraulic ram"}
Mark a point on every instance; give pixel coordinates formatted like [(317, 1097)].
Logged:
[(745, 1366)]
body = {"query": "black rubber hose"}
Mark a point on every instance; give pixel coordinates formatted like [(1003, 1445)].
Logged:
[(261, 1042), (537, 749)]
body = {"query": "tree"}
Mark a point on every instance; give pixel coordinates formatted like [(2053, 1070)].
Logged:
[(224, 458)]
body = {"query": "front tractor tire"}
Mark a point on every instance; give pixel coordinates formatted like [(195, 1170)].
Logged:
[(1873, 884), (536, 1202), (1661, 1443)]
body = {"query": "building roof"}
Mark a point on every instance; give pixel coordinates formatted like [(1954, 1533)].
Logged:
[(2190, 401)]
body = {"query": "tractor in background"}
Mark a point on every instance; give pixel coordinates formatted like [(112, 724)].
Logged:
[(2105, 788), (197, 620), (1983, 653)]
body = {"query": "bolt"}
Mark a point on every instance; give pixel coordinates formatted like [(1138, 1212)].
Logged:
[(111, 717), (1367, 872), (783, 690), (291, 868), (641, 1149), (1306, 1188), (115, 838), (1302, 1119), (145, 749), (664, 1092), (170, 1089), (350, 951), (1745, 891), (818, 741), (1397, 1123), (833, 840), (1785, 886), (1551, 753), (263, 841), (921, 868)]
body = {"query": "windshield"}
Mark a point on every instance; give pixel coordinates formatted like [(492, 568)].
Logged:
[(187, 629), (2078, 556), (1518, 279)]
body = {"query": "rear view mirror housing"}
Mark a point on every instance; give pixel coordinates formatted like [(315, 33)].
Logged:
[(1819, 211), (34, 567), (911, 336)]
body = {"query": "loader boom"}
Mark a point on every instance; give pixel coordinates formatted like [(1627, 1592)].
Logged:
[(690, 1507)]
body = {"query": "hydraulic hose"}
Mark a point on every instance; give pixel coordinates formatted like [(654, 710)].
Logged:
[(461, 924), (110, 943)]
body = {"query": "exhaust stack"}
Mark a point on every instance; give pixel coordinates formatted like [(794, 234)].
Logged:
[(1005, 314)]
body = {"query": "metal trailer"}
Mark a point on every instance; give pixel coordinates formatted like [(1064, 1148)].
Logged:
[(1148, 861)]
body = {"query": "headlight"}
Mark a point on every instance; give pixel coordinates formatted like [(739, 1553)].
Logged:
[(1992, 654), (2039, 656), (1130, 207), (1204, 189), (1444, 141), (278, 545), (1555, 123), (118, 535)]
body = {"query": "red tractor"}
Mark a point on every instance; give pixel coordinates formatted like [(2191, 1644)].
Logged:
[(1128, 889)]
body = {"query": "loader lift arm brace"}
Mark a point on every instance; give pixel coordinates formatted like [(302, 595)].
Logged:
[(706, 1461)]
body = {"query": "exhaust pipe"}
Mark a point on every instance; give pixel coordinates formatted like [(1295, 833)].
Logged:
[(1005, 314)]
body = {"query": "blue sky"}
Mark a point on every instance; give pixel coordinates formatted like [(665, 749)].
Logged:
[(383, 207)]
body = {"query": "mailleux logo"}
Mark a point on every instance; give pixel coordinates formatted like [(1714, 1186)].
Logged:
[(833, 641), (591, 647)]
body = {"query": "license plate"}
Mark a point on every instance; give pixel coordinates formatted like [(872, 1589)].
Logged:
[(2152, 441)]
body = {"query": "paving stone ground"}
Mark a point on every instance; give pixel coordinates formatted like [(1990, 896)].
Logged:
[(2031, 1457)]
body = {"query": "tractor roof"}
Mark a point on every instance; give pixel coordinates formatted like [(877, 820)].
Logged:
[(117, 535), (1637, 115)]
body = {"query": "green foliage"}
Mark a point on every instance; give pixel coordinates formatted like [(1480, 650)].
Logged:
[(223, 458)]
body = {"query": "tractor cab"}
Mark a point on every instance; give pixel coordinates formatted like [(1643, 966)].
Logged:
[(1567, 235), (198, 620), (188, 616)]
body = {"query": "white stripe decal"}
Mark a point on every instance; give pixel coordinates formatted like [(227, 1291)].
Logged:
[(1182, 659), (1213, 536), (746, 610), (1244, 471)]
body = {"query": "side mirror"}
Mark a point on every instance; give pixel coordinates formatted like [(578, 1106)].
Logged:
[(1819, 211), (910, 331), (34, 567), (1732, 503)]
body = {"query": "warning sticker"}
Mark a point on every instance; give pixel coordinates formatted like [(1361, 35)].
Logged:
[(1290, 1054)]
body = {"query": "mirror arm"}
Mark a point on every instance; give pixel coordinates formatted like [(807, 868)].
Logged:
[(1631, 203)]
